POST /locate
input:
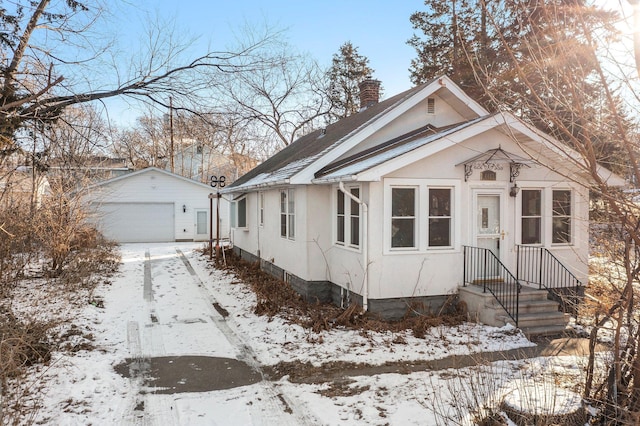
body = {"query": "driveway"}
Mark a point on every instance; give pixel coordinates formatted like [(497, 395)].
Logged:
[(187, 363)]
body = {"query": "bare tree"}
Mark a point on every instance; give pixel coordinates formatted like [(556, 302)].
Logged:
[(280, 101), (42, 75)]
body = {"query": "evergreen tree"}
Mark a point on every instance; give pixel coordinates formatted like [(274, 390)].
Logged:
[(347, 71)]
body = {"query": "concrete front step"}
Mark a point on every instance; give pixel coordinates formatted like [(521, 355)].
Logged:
[(544, 330), (537, 314), (540, 319), (532, 306)]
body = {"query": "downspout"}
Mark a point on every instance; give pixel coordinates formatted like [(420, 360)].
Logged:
[(365, 243)]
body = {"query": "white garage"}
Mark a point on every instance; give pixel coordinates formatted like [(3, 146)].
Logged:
[(154, 205)]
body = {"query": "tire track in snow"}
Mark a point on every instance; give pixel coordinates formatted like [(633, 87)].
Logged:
[(278, 409), (158, 410)]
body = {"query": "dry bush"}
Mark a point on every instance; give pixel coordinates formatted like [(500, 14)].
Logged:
[(18, 247), (276, 297), (24, 343)]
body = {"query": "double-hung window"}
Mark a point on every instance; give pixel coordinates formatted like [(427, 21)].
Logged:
[(439, 222), (340, 222), (287, 214), (403, 217), (261, 208), (348, 218), (531, 230), (354, 215), (561, 217)]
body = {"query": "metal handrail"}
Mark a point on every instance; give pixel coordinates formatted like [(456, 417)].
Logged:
[(482, 266), (537, 265)]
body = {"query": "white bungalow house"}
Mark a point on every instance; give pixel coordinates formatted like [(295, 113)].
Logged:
[(414, 199), (154, 205)]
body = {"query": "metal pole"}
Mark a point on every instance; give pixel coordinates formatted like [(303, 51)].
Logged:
[(218, 227), (171, 132), (211, 226)]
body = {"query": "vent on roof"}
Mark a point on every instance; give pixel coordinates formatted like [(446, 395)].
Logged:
[(431, 106)]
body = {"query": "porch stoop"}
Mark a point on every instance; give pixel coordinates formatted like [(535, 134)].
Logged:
[(537, 314)]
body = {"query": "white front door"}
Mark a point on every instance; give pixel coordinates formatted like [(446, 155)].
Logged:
[(489, 231), (202, 225)]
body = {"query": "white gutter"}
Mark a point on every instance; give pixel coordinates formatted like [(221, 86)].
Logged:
[(365, 243), (351, 178)]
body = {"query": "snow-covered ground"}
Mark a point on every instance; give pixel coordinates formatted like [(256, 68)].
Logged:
[(172, 312)]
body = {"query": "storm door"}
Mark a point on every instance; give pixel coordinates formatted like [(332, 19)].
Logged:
[(489, 234)]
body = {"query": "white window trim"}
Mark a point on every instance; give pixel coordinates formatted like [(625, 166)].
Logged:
[(547, 189), (422, 215), (261, 209), (235, 212), (347, 219), (572, 217), (453, 209), (543, 221), (288, 215)]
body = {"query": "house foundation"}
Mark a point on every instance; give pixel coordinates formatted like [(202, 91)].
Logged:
[(328, 292)]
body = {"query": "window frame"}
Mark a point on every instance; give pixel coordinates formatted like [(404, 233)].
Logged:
[(414, 218), (421, 242), (261, 209), (568, 217), (440, 217), (540, 216), (344, 218), (235, 213), (288, 214)]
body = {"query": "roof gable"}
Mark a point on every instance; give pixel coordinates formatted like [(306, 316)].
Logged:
[(332, 154), (148, 170), (299, 162)]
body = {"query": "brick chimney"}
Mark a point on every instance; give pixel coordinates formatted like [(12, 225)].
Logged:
[(369, 92)]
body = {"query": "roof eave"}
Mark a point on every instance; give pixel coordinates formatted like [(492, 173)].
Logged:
[(335, 179), (256, 186)]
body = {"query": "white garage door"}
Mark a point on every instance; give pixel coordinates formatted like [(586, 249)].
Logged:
[(137, 222)]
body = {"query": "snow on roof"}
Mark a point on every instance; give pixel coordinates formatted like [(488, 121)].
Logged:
[(308, 148)]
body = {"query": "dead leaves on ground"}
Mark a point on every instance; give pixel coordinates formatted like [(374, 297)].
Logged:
[(276, 297)]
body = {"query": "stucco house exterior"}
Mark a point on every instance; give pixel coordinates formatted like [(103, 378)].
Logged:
[(386, 207), (154, 205)]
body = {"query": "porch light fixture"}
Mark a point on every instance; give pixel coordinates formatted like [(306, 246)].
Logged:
[(514, 190), (184, 208)]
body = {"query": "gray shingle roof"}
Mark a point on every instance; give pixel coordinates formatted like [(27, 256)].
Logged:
[(312, 146)]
